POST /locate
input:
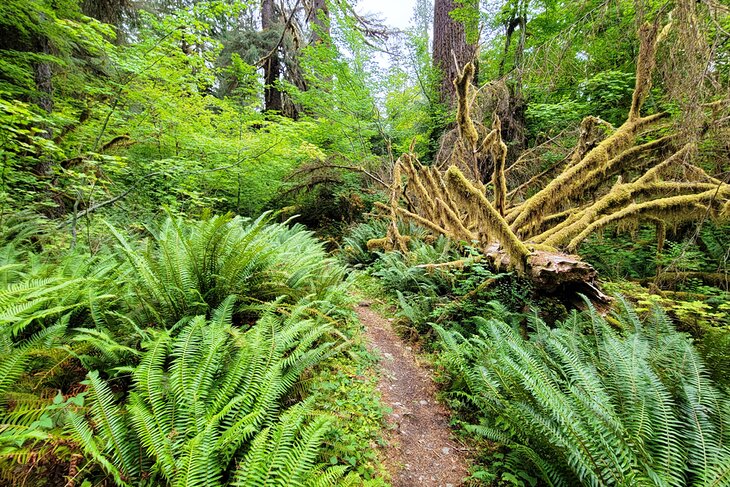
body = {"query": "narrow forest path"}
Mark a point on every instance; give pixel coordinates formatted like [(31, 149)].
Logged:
[(420, 449)]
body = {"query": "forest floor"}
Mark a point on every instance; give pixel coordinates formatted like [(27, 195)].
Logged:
[(420, 449)]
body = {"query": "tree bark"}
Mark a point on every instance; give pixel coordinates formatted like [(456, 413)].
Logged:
[(449, 44), (42, 75), (319, 21), (272, 65)]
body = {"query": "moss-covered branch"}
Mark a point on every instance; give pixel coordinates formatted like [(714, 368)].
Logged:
[(612, 153), (673, 210), (499, 155), (493, 224)]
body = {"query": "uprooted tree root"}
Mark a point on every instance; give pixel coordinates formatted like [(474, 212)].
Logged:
[(532, 236)]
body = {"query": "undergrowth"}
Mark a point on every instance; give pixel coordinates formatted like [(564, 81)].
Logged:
[(221, 351), (552, 396), (624, 401)]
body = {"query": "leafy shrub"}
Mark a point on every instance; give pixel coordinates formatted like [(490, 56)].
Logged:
[(608, 94), (586, 404), (550, 118), (450, 295)]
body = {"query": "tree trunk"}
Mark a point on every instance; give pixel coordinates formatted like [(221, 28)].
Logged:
[(112, 12), (43, 77), (272, 64), (449, 44), (44, 86), (319, 21)]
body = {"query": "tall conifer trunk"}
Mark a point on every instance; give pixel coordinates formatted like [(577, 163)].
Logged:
[(319, 20), (272, 65), (449, 43)]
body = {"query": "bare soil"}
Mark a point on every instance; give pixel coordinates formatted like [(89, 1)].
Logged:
[(420, 450)]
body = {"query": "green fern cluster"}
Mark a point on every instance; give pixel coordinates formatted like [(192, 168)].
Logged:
[(189, 268), (192, 347), (354, 248), (587, 404), (400, 272), (204, 407), (34, 294)]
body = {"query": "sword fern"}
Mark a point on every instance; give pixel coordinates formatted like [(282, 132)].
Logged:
[(588, 404)]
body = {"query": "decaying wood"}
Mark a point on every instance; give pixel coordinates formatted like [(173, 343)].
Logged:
[(608, 179), (556, 273)]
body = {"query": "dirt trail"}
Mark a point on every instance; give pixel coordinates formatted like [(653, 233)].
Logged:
[(421, 450)]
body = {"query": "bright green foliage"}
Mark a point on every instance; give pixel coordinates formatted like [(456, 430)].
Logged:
[(75, 43), (21, 141), (189, 269), (287, 454), (16, 356), (347, 390), (170, 119), (200, 400), (340, 93), (197, 380), (549, 118), (36, 294), (587, 404), (565, 43)]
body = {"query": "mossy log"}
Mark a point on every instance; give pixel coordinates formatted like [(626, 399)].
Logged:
[(612, 176), (556, 273)]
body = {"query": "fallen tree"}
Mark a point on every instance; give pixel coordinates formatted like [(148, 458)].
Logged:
[(610, 179)]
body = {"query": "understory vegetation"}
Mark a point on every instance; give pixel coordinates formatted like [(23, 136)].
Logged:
[(588, 402), (558, 396), (184, 358)]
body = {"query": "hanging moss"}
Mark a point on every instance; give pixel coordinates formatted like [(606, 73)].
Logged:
[(574, 181), (619, 196), (499, 154), (599, 162), (546, 236), (394, 239), (423, 195), (658, 170), (492, 221), (671, 210), (454, 223), (467, 130), (645, 67), (422, 221), (572, 205), (592, 131)]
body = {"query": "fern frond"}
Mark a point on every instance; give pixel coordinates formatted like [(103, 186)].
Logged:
[(15, 358), (607, 407)]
